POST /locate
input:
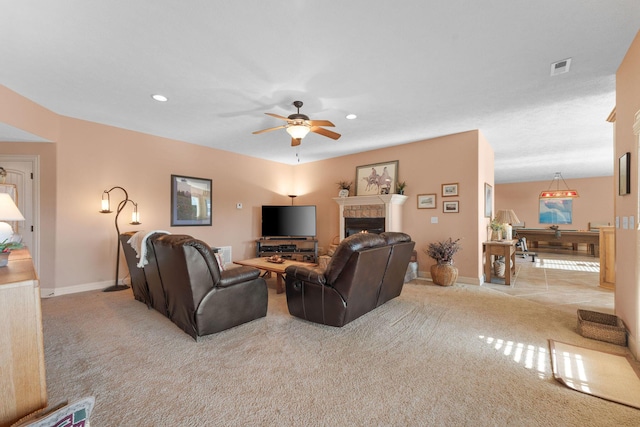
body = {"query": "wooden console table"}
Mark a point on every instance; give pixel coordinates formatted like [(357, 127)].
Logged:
[(503, 248), (23, 387), (535, 235)]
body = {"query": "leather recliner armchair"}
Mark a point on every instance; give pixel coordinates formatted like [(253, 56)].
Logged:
[(365, 271), (146, 284), (200, 298)]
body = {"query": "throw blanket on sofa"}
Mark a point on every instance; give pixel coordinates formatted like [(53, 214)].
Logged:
[(139, 243)]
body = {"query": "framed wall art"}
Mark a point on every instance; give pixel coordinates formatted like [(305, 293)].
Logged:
[(190, 201), (488, 200), (450, 190), (426, 201), (451, 207), (556, 211), (378, 178), (624, 178)]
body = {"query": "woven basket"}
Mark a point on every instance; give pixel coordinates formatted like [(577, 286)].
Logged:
[(602, 327), (499, 268)]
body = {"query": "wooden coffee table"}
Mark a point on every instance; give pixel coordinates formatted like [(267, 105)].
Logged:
[(273, 267)]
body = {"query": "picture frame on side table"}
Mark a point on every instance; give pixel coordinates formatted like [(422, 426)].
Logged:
[(378, 178), (450, 190), (426, 201), (624, 177), (488, 200), (190, 201), (451, 207)]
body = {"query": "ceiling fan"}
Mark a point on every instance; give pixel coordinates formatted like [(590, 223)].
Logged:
[(299, 125)]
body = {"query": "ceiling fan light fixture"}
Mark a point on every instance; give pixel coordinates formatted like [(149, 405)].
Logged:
[(298, 131)]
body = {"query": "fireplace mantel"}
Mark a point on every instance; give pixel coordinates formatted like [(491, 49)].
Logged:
[(392, 209), (378, 199)]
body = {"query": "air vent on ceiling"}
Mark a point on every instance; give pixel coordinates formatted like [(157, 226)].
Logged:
[(560, 67)]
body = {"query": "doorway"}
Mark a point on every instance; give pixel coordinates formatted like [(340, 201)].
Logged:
[(23, 171)]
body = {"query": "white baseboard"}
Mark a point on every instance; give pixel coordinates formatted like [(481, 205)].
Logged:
[(56, 292)]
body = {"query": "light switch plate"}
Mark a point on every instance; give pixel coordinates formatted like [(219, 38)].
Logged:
[(238, 205), (434, 220)]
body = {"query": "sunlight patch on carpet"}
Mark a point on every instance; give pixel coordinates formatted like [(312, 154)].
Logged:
[(605, 375), (527, 355)]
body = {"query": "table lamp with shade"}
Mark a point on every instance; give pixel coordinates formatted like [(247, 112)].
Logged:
[(507, 217), (8, 212)]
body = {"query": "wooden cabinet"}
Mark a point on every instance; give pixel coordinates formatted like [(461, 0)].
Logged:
[(608, 257), (304, 250), (23, 387)]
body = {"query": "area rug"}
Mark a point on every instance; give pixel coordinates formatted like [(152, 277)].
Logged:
[(605, 375)]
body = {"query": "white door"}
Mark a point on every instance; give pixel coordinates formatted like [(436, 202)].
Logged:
[(22, 171)]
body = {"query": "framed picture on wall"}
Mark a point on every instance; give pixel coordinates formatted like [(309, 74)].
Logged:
[(488, 200), (624, 178), (378, 178), (450, 190), (451, 207), (556, 211), (190, 201), (426, 201)]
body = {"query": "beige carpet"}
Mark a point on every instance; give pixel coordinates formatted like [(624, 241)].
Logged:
[(606, 375), (456, 356)]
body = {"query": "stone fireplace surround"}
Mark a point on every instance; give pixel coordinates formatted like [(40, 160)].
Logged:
[(387, 206)]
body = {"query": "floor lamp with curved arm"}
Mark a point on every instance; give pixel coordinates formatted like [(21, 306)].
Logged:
[(135, 220)]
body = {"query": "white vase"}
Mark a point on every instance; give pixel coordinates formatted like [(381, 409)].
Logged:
[(343, 193)]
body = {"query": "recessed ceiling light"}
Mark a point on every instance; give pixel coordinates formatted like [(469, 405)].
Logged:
[(351, 116), (160, 98)]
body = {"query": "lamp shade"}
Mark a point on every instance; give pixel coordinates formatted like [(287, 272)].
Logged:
[(298, 131), (507, 216), (8, 209)]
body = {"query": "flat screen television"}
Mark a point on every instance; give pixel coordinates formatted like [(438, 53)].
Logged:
[(288, 221)]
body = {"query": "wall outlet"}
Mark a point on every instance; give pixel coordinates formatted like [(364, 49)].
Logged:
[(238, 205)]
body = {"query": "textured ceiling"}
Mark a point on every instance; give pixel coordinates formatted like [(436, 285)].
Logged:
[(410, 70)]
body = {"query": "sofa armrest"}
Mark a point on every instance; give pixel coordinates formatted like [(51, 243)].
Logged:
[(237, 275), (307, 274)]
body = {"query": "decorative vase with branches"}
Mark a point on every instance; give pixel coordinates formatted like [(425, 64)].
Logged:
[(443, 273)]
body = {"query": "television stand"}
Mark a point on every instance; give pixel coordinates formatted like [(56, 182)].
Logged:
[(296, 249)]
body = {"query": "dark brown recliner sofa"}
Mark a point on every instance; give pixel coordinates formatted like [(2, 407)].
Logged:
[(145, 282), (365, 271)]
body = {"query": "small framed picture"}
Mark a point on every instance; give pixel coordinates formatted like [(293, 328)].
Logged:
[(488, 200), (450, 190), (451, 207), (624, 178), (426, 201)]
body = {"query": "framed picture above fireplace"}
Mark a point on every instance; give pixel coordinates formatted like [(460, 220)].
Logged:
[(378, 178)]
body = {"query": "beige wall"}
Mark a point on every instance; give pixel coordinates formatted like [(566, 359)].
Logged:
[(88, 158), (425, 166), (627, 301), (594, 205)]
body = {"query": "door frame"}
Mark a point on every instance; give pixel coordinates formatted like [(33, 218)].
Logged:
[(34, 159)]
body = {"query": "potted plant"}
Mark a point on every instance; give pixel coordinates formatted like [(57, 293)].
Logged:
[(496, 228), (5, 249), (443, 273), (344, 187), (400, 186)]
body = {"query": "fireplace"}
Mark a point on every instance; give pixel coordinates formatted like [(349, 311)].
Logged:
[(359, 225), (382, 212)]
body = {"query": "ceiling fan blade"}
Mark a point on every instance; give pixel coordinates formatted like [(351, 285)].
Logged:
[(295, 141), (321, 123), (267, 130), (325, 132), (277, 116)]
